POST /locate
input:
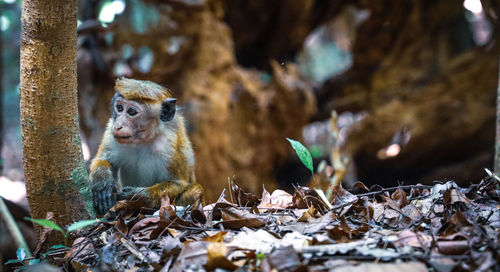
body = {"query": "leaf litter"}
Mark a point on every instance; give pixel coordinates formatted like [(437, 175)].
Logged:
[(407, 228)]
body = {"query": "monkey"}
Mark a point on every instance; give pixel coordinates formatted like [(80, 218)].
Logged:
[(145, 151)]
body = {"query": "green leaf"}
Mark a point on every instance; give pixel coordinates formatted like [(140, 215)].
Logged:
[(34, 261), (12, 261), (46, 223), (304, 155), (21, 254), (58, 247), (82, 224)]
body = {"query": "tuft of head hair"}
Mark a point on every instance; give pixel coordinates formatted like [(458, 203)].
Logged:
[(141, 90)]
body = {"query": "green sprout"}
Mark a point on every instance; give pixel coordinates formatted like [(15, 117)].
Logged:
[(304, 155)]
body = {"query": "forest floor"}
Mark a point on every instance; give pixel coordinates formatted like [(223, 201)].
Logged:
[(407, 228)]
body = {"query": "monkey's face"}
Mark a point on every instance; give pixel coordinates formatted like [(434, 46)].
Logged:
[(132, 122)]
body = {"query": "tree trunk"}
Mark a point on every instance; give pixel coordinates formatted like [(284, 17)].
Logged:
[(55, 173), (1, 94), (497, 138)]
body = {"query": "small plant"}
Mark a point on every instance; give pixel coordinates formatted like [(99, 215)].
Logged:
[(304, 155), (75, 226), (21, 253), (260, 256), (23, 260)]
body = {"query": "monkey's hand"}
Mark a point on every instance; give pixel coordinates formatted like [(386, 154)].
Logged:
[(104, 194), (188, 194), (193, 195), (103, 190), (130, 192), (135, 193)]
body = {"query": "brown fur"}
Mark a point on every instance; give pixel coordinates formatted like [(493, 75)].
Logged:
[(179, 167), (99, 163), (140, 90)]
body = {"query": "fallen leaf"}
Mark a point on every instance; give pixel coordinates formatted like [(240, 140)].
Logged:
[(45, 233), (234, 218), (127, 208), (216, 238), (453, 247), (279, 199), (283, 259), (400, 197), (412, 239), (192, 254), (453, 196), (243, 198), (382, 267), (216, 257)]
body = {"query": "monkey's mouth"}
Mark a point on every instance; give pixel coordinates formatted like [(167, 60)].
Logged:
[(122, 137), (128, 138)]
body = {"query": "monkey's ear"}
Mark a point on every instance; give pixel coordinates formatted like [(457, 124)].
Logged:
[(168, 109)]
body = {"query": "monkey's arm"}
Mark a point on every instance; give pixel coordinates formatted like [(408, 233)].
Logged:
[(101, 179)]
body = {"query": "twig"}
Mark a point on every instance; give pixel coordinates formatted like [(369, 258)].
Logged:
[(13, 228), (403, 187), (86, 241), (496, 163), (324, 198), (223, 195), (402, 256), (339, 162), (133, 249), (167, 265), (230, 187), (168, 226)]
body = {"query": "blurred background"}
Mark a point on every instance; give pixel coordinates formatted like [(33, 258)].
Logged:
[(413, 84)]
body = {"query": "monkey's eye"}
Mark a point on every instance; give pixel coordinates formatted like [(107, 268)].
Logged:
[(131, 111), (119, 108)]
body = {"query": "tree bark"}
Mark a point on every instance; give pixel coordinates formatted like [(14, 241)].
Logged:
[(496, 167), (55, 173), (1, 95)]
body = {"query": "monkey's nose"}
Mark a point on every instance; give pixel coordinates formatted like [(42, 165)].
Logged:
[(122, 133)]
